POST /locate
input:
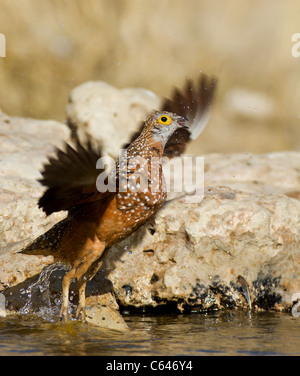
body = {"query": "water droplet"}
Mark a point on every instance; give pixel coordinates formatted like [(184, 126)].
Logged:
[(36, 293)]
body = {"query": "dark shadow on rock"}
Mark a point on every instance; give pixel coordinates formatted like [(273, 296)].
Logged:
[(35, 293)]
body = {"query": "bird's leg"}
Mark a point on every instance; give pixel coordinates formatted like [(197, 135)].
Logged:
[(65, 296), (86, 267), (80, 312)]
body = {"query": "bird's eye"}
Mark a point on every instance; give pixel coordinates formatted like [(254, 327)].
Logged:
[(164, 119)]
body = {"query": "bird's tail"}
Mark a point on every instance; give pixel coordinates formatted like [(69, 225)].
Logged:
[(49, 241)]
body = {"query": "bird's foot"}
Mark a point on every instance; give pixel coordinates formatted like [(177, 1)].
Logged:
[(64, 313), (80, 313)]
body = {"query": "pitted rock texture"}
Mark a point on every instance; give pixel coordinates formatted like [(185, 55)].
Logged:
[(190, 255)]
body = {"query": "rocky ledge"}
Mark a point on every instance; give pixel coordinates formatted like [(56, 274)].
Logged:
[(237, 245)]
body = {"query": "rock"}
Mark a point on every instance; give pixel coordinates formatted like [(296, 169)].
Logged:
[(251, 104), (104, 315), (191, 254), (25, 145), (255, 173), (108, 114)]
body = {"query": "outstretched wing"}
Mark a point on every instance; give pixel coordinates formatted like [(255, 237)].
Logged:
[(193, 102), (70, 178)]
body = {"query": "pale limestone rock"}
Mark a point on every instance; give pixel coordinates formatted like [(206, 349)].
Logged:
[(105, 317), (102, 311), (25, 145), (189, 253), (192, 251), (261, 173), (108, 114), (250, 104)]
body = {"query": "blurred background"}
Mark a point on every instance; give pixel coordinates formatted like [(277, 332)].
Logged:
[(53, 46)]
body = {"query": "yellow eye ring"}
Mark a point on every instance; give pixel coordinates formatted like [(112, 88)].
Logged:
[(165, 120)]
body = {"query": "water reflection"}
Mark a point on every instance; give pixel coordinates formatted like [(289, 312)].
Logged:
[(229, 333)]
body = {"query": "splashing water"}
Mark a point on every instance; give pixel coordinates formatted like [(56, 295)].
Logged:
[(38, 295)]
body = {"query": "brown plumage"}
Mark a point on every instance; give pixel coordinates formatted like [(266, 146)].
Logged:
[(103, 212)]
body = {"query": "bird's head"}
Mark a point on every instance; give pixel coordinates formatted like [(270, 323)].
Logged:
[(163, 124)]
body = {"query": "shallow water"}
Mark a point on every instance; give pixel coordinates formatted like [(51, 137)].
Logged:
[(229, 333)]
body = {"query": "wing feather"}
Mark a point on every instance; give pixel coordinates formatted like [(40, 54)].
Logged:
[(194, 102), (70, 178)]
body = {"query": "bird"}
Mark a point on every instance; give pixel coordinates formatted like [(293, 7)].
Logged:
[(102, 212)]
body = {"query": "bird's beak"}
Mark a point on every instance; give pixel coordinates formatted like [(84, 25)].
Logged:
[(181, 121)]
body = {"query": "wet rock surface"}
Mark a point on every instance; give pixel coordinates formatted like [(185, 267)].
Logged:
[(189, 256)]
